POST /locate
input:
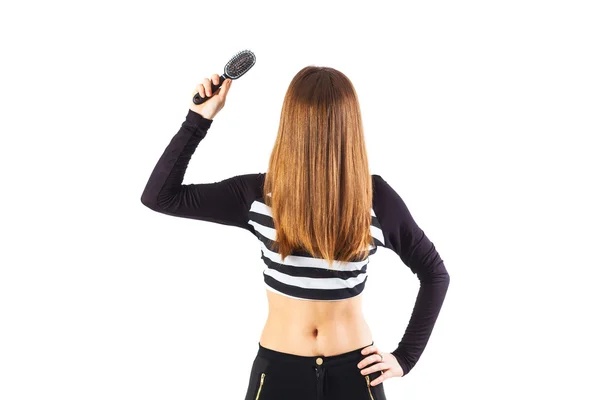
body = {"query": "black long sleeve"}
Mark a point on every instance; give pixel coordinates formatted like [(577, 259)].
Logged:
[(224, 202), (407, 239)]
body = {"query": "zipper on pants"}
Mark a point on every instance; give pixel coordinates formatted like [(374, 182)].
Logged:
[(318, 370), (369, 386), (262, 380)]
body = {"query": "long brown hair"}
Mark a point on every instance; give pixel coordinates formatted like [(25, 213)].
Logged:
[(318, 183)]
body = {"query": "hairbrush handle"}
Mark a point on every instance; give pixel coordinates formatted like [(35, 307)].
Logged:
[(213, 88)]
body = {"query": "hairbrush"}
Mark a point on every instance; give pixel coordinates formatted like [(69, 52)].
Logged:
[(236, 67)]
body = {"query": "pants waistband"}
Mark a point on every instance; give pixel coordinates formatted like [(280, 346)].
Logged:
[(320, 360)]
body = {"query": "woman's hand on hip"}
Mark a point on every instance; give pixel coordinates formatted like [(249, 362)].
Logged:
[(389, 365), (216, 100)]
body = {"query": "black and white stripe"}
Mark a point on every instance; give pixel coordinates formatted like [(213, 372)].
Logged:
[(302, 276)]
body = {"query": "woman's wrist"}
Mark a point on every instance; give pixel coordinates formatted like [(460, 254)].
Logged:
[(197, 119), (203, 114)]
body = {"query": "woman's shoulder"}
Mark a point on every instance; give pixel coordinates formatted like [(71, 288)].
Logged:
[(387, 202), (250, 184)]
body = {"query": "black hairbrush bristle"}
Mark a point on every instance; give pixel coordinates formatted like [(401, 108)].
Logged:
[(239, 64)]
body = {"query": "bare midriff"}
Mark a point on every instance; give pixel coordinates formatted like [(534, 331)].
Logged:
[(314, 328)]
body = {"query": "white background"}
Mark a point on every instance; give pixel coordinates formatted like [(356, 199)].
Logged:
[(484, 116)]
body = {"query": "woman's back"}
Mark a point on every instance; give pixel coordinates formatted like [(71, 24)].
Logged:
[(314, 327), (302, 325), (318, 214)]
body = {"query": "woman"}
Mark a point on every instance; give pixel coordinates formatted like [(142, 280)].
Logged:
[(318, 214)]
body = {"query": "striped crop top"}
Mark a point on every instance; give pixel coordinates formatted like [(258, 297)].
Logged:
[(238, 201), (300, 275)]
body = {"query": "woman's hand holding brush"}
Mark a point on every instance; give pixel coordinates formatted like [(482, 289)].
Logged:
[(216, 101)]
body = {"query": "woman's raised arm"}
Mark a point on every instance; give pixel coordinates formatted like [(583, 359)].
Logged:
[(224, 202)]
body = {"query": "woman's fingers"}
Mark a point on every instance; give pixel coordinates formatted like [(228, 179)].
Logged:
[(373, 358), (370, 359), (200, 90), (375, 363), (380, 366), (382, 377), (225, 88), (204, 89), (369, 349), (207, 87)]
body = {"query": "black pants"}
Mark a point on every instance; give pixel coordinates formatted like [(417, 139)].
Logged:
[(283, 376)]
